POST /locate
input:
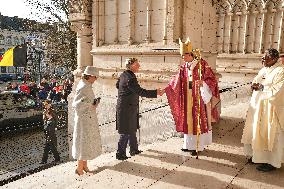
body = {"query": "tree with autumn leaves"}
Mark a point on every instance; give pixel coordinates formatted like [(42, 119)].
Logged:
[(60, 40)]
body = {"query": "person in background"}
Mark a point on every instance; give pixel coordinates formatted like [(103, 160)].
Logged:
[(49, 119), (9, 87), (57, 93), (53, 83), (86, 134), (67, 89), (33, 89), (45, 85), (42, 94), (24, 88)]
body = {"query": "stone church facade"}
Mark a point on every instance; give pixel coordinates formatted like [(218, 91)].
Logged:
[(232, 36), (245, 29), (109, 31)]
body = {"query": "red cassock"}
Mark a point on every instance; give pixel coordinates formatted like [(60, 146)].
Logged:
[(177, 93)]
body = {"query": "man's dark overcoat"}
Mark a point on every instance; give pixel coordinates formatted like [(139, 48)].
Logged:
[(127, 109)]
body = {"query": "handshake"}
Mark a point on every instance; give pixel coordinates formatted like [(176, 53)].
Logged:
[(257, 87), (160, 91)]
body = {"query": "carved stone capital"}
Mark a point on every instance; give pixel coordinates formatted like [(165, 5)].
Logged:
[(263, 11), (80, 6), (230, 13), (247, 12), (82, 28), (80, 10), (78, 17)]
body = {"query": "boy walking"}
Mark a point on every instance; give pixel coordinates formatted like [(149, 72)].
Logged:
[(49, 119)]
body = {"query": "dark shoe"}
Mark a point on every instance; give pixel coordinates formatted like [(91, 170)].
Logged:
[(265, 167), (43, 162), (193, 152), (56, 162), (87, 170), (121, 157), (133, 153), (250, 161), (185, 150)]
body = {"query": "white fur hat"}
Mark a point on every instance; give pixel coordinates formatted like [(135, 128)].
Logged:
[(91, 70)]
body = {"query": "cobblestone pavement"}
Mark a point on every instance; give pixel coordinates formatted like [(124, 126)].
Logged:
[(22, 152), (163, 165)]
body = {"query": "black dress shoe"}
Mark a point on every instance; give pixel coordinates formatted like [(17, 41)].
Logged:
[(133, 153), (250, 161), (265, 167), (185, 150), (56, 162), (121, 157), (43, 162), (193, 152)]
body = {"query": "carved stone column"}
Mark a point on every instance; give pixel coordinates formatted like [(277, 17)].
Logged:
[(280, 39), (131, 16), (221, 48), (237, 24), (261, 45), (229, 47), (149, 14), (165, 23), (172, 25), (116, 28), (101, 21), (95, 23), (254, 37), (272, 27), (81, 21), (245, 34)]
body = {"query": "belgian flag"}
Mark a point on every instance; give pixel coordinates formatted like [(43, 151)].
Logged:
[(15, 56)]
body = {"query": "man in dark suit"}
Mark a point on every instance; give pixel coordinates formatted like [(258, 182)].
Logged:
[(127, 109)]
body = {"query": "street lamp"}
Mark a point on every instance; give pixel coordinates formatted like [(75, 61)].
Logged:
[(39, 53)]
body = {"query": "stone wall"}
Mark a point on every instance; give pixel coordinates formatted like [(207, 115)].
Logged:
[(146, 29), (246, 28), (149, 30)]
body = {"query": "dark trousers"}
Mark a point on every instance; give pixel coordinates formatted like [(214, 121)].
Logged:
[(124, 139), (50, 145)]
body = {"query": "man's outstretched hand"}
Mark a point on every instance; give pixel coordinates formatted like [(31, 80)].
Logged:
[(160, 91)]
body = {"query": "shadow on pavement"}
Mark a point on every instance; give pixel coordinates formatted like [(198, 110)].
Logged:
[(185, 178)]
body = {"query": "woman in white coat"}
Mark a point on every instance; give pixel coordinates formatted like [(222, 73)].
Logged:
[(86, 135)]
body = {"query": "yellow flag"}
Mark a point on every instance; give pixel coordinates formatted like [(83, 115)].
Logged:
[(7, 59)]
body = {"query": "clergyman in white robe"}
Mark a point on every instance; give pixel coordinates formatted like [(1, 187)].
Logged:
[(263, 134)]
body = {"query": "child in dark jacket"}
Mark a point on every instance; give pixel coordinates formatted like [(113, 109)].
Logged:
[(49, 119)]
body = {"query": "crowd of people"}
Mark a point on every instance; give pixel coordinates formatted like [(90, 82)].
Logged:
[(56, 91)]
